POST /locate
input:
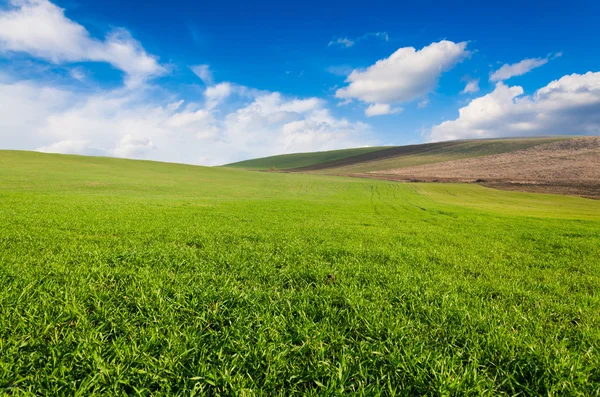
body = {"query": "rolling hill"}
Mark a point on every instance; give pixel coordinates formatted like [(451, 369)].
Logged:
[(428, 153), (299, 160), (563, 165), (383, 158)]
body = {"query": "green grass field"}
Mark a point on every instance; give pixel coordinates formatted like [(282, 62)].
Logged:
[(122, 277), (296, 160)]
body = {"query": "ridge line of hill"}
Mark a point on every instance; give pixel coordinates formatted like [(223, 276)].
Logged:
[(377, 155), (387, 157)]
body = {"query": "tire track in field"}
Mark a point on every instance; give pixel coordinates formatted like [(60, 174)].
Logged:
[(379, 209)]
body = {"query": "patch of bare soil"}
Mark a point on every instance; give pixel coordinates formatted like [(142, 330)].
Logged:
[(564, 167)]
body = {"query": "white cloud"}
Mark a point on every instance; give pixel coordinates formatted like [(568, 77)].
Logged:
[(77, 73), (132, 146), (471, 87), (568, 106), (216, 94), (229, 122), (132, 123), (68, 146), (520, 68), (423, 104), (379, 109), (406, 75), (290, 125), (382, 35), (41, 29), (342, 41), (347, 42), (27, 105), (204, 73)]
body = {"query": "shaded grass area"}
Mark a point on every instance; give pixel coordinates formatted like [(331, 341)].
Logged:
[(433, 153), (128, 277), (295, 160)]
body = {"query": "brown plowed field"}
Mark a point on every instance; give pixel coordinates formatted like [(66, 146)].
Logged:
[(565, 167)]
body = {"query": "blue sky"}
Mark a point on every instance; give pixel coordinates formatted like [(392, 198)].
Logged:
[(214, 82)]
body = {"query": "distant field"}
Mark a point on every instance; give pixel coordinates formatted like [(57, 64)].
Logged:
[(558, 165), (413, 155), (570, 166), (122, 277), (380, 158), (297, 160)]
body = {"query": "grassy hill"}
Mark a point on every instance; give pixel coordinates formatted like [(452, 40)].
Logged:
[(409, 156), (133, 277), (383, 158), (296, 160)]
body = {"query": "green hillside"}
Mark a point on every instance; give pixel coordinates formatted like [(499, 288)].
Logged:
[(408, 156), (121, 277), (296, 160), (383, 158)]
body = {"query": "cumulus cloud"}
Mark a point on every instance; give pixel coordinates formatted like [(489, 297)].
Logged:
[(41, 29), (520, 68), (272, 121), (405, 75), (379, 109), (228, 122), (471, 87), (567, 106), (135, 124)]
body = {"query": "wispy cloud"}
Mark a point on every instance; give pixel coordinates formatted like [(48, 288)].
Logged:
[(204, 73), (471, 86), (77, 73), (346, 42), (520, 68), (382, 35), (340, 70), (343, 42)]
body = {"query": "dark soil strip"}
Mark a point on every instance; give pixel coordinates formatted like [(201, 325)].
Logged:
[(378, 155)]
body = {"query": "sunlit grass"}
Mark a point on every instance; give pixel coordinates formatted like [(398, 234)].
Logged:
[(125, 277)]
